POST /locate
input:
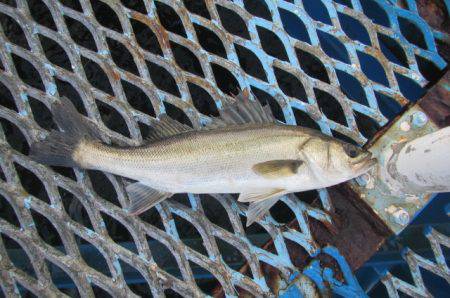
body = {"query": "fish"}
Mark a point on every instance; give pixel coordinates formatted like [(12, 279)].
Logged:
[(245, 151)]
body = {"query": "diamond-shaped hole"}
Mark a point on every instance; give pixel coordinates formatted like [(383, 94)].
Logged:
[(27, 72), (14, 136), (301, 257), (135, 280), (31, 183), (317, 10), (65, 171), (197, 7), (428, 69), (92, 256), (9, 2), (215, 212), (62, 280), (290, 84), (2, 174), (256, 234), (13, 31), (232, 256), (7, 212), (112, 119), (146, 38), (189, 235), (202, 101), (47, 231), (181, 198), (152, 217), (374, 12), (106, 16), (74, 208), (294, 26), (172, 294), (282, 213), (164, 257), (366, 125), (412, 32), (226, 82), (409, 88), (333, 47), (137, 5), (177, 114), (351, 87), (265, 98), (18, 256), (308, 197), (96, 75), (55, 53), (330, 106), (103, 187), (137, 98), (232, 22), (74, 4), (41, 14), (303, 119), (162, 78), (250, 62), (210, 41), (258, 8), (169, 19), (80, 34), (392, 50), (347, 3), (207, 283), (7, 98), (121, 56), (41, 114), (272, 44), (119, 233), (312, 66), (186, 59), (66, 89), (354, 29), (372, 68), (99, 292)]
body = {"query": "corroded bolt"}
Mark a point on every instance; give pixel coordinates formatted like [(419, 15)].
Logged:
[(419, 119), (401, 217)]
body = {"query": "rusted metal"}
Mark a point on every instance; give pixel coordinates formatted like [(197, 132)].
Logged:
[(436, 103), (177, 55)]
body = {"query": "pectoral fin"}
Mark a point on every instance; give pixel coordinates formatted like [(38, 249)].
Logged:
[(143, 197), (260, 195), (275, 169), (256, 210)]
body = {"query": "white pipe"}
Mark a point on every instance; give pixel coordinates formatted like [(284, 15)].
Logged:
[(421, 165)]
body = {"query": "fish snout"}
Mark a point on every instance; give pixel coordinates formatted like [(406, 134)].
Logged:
[(363, 162)]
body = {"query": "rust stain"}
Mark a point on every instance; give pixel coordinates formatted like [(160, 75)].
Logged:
[(436, 103)]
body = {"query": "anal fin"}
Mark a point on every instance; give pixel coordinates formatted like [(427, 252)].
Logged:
[(256, 210), (260, 195), (143, 197)]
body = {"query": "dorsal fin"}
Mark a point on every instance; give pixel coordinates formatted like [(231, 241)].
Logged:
[(166, 127), (243, 110)]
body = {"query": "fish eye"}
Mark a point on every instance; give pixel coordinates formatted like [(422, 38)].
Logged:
[(351, 151)]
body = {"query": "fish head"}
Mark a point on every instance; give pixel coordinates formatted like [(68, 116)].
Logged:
[(349, 161), (335, 161)]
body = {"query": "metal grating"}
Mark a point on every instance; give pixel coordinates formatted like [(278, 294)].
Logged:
[(124, 63), (438, 266)]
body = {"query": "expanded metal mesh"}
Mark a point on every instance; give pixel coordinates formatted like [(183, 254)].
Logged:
[(416, 263), (342, 67)]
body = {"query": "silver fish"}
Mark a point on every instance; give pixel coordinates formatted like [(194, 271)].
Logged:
[(244, 151)]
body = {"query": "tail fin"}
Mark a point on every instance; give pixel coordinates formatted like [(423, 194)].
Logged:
[(57, 149)]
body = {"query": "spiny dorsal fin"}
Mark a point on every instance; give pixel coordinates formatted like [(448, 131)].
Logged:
[(143, 197), (275, 169), (166, 127), (243, 110), (260, 195)]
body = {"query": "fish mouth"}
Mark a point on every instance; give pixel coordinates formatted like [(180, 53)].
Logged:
[(364, 162)]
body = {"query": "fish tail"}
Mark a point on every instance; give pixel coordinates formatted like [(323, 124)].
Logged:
[(59, 147)]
